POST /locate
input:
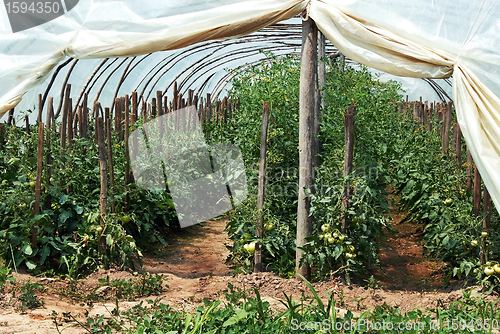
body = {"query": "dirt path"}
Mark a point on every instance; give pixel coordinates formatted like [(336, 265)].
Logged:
[(404, 266), (194, 267)]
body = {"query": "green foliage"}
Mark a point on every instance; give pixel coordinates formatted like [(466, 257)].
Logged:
[(246, 312), (67, 241), (144, 286), (277, 81)]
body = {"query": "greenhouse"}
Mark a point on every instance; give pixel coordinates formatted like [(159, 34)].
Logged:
[(293, 146)]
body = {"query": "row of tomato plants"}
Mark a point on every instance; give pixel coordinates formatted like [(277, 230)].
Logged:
[(392, 153), (69, 223), (329, 249)]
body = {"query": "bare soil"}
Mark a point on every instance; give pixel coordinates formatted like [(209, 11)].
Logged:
[(194, 265)]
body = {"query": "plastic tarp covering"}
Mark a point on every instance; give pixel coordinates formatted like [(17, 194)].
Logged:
[(420, 38)]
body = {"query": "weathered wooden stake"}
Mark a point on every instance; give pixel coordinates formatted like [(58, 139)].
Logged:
[(446, 130), (127, 157), (48, 160), (486, 224), (10, 120), (477, 191), (40, 107), (458, 144), (110, 158), (134, 105), (307, 108), (38, 182), (348, 164), (262, 187), (469, 170), (104, 178)]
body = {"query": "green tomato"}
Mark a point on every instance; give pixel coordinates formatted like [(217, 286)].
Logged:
[(325, 227), (51, 180), (321, 236), (448, 201), (126, 219), (484, 234), (22, 206), (32, 184), (473, 243), (98, 229), (496, 267), (341, 237), (269, 227), (348, 255), (489, 271), (331, 240), (251, 247)]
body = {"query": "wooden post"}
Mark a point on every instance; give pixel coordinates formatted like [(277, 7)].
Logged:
[(348, 163), (469, 170), (10, 120), (190, 97), (424, 115), (458, 143), (64, 122), (477, 191), (27, 127), (175, 97), (486, 224), (40, 107), (153, 107), (262, 187), (38, 181), (209, 108), (159, 100), (70, 122), (110, 158), (127, 159), (307, 108), (134, 105), (85, 119), (48, 160), (446, 130), (144, 112), (104, 178)]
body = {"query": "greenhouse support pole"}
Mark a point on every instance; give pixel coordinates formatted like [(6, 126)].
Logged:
[(307, 109)]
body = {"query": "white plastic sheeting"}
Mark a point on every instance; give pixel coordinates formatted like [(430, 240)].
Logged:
[(420, 38)]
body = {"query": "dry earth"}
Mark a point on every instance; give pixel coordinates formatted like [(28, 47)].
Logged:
[(194, 266)]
